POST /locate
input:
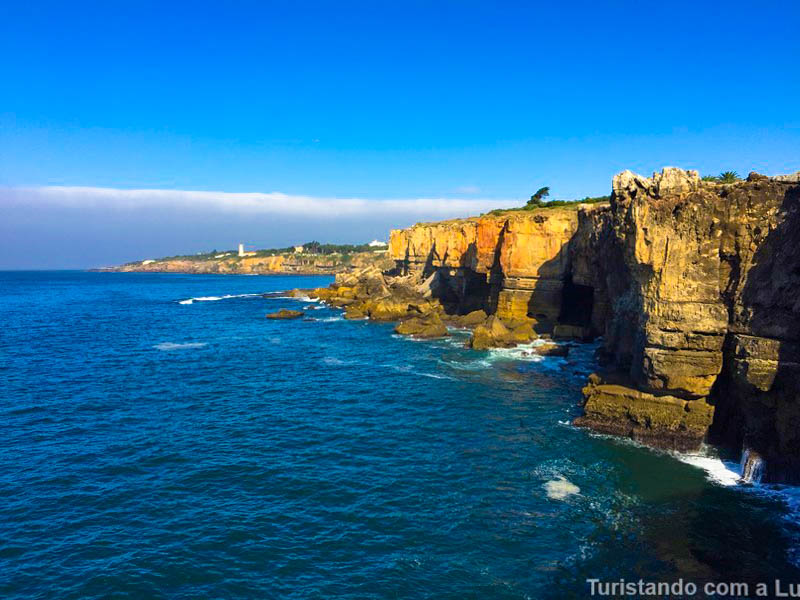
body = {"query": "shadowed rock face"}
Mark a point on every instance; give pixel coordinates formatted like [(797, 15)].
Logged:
[(694, 285), (704, 281)]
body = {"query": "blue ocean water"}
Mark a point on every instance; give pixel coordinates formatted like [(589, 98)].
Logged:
[(152, 447)]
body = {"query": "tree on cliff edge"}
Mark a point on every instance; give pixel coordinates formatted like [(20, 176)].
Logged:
[(536, 199)]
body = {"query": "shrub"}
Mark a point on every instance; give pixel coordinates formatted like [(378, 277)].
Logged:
[(536, 199)]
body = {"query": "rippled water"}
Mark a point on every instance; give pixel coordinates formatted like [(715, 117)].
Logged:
[(155, 447)]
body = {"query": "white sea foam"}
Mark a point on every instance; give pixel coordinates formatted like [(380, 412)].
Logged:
[(718, 470), (215, 298), (330, 319), (169, 346), (561, 488)]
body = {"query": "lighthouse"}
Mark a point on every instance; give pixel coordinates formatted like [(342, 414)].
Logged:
[(241, 249)]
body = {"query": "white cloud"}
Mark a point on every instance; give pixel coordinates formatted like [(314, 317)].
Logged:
[(273, 203), (468, 189)]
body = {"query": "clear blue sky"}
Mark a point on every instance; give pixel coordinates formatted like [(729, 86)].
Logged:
[(380, 100)]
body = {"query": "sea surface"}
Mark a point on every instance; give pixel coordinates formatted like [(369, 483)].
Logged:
[(159, 438)]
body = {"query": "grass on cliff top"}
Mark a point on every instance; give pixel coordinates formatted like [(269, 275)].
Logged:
[(551, 204)]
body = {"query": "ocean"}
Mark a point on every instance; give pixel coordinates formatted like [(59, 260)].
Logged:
[(162, 439)]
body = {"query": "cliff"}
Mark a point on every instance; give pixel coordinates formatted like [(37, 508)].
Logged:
[(289, 263), (694, 286), (705, 284), (513, 265)]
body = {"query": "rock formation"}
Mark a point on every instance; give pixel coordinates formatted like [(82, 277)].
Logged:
[(704, 280), (694, 286)]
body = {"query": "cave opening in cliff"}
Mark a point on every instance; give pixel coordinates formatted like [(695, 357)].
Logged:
[(577, 303), (476, 292)]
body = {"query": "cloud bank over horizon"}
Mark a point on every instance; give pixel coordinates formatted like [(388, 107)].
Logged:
[(82, 227)]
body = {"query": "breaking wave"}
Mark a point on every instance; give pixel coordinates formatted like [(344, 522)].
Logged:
[(215, 298)]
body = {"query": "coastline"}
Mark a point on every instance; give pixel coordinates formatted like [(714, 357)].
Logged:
[(691, 285)]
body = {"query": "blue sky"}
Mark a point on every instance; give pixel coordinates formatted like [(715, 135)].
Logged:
[(464, 104)]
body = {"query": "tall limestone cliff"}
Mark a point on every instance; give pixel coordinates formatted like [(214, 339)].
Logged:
[(695, 287), (513, 264)]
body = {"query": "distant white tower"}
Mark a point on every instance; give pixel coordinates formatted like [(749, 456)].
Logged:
[(241, 249)]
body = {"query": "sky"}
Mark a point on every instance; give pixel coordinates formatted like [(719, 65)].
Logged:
[(132, 130)]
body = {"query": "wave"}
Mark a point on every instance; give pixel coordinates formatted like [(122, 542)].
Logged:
[(215, 298), (169, 346)]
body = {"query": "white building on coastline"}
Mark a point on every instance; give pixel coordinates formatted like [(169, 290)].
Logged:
[(242, 253)]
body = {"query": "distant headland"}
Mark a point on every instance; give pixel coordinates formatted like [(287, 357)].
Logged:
[(311, 258)]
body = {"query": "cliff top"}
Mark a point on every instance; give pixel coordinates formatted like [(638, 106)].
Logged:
[(518, 213)]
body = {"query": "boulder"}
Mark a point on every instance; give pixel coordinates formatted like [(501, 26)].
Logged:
[(491, 334), (472, 319), (422, 327), (388, 309)]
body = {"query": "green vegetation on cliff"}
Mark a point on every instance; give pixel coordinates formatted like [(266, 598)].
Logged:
[(724, 177), (536, 203)]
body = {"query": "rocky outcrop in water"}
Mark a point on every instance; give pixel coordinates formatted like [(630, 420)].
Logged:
[(694, 286), (286, 314)]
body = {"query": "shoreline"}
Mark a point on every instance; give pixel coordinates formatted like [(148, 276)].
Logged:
[(270, 273)]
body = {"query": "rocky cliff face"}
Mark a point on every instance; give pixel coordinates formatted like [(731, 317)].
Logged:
[(704, 283), (694, 285), (514, 265)]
